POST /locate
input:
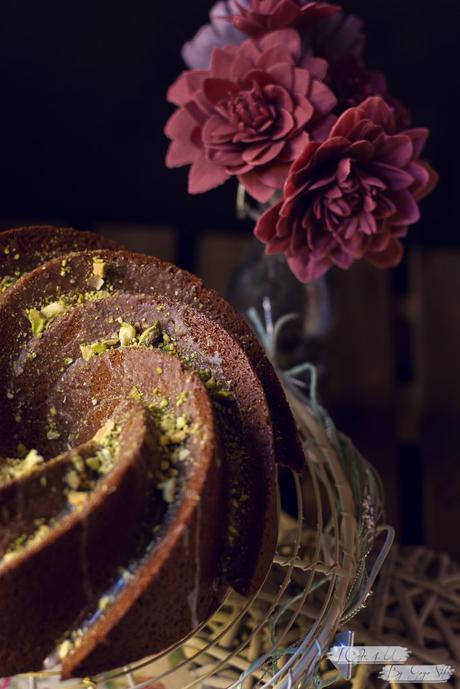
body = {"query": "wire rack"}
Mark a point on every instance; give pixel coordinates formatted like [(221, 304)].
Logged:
[(328, 556)]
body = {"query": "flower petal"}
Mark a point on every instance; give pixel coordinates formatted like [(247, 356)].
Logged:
[(389, 257), (253, 184), (265, 228), (205, 175)]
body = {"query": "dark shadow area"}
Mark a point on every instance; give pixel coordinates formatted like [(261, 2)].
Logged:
[(83, 107)]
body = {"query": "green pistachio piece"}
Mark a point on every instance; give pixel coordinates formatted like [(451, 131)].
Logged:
[(135, 393), (53, 310), (73, 480), (151, 335), (99, 268), (90, 350), (86, 352), (126, 334), (37, 321), (168, 489), (6, 282), (31, 460), (95, 282)]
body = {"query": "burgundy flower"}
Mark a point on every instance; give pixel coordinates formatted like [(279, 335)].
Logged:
[(261, 16), (249, 115), (352, 83), (352, 196)]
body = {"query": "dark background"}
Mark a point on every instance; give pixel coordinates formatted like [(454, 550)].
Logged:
[(83, 86)]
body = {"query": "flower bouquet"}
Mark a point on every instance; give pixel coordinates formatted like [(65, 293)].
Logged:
[(278, 95)]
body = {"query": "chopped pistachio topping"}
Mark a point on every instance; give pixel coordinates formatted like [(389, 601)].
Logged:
[(31, 460), (86, 472), (37, 322), (40, 318), (53, 310), (168, 489), (151, 335), (104, 433), (65, 268), (79, 480), (214, 384), (173, 434), (13, 468), (99, 268), (88, 297), (76, 499), (41, 532), (95, 282), (126, 334), (135, 393), (181, 398), (7, 281), (73, 480), (90, 350), (127, 337), (181, 454)]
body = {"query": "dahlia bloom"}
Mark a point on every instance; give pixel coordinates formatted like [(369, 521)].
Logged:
[(230, 21), (352, 196), (352, 83), (259, 17), (249, 115)]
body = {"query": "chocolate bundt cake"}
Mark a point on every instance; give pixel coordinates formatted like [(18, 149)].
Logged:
[(141, 424)]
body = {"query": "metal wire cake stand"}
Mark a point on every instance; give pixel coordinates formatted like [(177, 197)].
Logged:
[(328, 556)]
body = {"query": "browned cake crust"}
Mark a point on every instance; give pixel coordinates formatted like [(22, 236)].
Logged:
[(182, 357), (24, 248)]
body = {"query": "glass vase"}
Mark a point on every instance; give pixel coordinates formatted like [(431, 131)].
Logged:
[(261, 277)]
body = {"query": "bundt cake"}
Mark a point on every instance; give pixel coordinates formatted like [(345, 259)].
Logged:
[(141, 424)]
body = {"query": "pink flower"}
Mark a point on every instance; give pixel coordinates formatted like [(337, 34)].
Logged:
[(352, 196), (249, 115), (261, 16)]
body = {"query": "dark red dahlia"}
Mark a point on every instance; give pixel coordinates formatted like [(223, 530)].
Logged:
[(250, 114), (352, 83), (258, 17), (352, 196)]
